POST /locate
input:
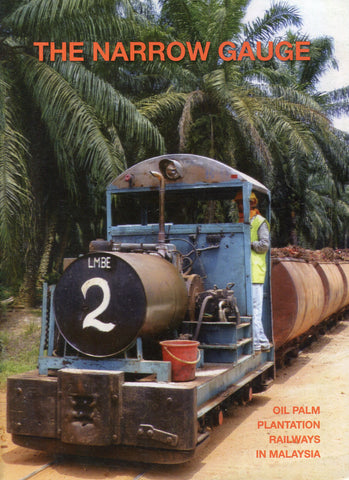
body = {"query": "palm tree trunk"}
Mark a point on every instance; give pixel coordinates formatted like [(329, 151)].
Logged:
[(47, 251), (63, 243), (28, 294), (293, 233)]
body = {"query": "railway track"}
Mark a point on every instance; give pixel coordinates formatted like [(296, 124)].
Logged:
[(36, 472), (48, 471)]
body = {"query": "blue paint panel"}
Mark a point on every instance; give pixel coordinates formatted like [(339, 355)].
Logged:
[(218, 266)]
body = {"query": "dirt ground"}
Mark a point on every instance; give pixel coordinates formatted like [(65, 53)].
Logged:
[(317, 381)]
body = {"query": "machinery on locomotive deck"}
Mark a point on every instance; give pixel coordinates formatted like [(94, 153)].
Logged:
[(175, 266)]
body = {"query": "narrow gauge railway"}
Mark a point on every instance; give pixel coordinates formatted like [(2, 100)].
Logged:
[(174, 268), (50, 470), (36, 473)]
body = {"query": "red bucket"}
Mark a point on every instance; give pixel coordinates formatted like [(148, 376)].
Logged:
[(183, 355)]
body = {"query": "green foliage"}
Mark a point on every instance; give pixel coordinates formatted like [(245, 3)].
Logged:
[(18, 350), (65, 132), (67, 128), (265, 118)]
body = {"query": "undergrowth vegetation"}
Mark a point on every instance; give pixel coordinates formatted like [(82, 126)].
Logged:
[(19, 343)]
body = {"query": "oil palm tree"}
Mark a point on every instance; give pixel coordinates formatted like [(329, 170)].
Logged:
[(63, 129), (314, 183), (228, 99), (266, 118)]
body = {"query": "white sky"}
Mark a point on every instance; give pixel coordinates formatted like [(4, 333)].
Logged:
[(321, 17)]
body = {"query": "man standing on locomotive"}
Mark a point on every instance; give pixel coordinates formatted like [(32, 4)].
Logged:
[(260, 243)]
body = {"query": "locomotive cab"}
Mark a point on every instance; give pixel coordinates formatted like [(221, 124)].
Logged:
[(175, 266)]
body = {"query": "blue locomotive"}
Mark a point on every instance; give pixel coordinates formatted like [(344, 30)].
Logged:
[(174, 271)]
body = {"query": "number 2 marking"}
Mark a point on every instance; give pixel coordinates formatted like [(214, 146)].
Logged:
[(90, 319)]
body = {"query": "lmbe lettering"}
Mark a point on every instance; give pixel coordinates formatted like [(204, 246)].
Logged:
[(99, 262)]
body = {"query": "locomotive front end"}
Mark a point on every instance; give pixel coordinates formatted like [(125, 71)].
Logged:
[(102, 387)]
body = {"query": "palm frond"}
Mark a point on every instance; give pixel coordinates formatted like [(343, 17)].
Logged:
[(49, 20), (336, 102), (14, 184), (110, 106), (185, 122), (321, 53), (179, 15), (158, 108), (279, 16), (72, 124), (225, 20)]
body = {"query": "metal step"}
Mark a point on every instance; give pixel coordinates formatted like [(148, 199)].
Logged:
[(227, 346)]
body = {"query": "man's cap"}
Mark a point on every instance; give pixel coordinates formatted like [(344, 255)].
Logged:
[(253, 198)]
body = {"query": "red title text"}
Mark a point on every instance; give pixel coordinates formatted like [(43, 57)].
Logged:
[(174, 51)]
